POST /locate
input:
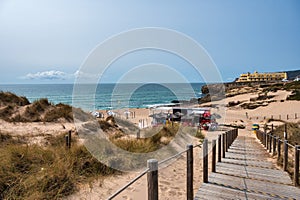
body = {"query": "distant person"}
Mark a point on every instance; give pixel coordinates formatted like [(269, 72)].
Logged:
[(247, 115)]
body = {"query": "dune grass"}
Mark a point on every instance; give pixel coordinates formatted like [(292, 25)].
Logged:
[(52, 172), (8, 98), (293, 131), (293, 138), (60, 111), (148, 144)]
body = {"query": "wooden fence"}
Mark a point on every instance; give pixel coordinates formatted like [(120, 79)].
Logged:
[(274, 144), (223, 142), (291, 116)]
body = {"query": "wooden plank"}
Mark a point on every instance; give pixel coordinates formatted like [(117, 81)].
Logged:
[(245, 173)]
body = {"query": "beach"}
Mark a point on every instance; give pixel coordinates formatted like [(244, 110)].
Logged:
[(171, 178)]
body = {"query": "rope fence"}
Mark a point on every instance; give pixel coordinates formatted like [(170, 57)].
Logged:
[(223, 142), (274, 144)]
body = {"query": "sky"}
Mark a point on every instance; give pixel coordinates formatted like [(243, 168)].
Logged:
[(48, 41)]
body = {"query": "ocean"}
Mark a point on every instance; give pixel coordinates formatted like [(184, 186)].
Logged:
[(107, 96)]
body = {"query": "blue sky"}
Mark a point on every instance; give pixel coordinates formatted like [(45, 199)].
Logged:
[(47, 41)]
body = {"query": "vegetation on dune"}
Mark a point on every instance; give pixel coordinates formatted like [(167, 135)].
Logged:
[(6, 111), (39, 111), (292, 131), (294, 87), (52, 172), (148, 144), (60, 111), (294, 96), (8, 98), (293, 138)]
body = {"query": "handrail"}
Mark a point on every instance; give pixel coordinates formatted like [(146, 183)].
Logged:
[(171, 157), (145, 171), (281, 140), (290, 145), (128, 184), (275, 143), (230, 136)]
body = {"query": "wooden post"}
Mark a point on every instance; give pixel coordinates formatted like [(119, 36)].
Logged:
[(230, 138), (267, 140), (70, 138), (213, 157), (264, 138), (152, 179), (296, 165), (223, 144), (271, 138), (285, 155), (189, 173), (285, 134), (205, 161), (287, 117), (278, 149), (295, 115), (67, 141), (274, 145), (227, 141), (261, 135), (219, 148)]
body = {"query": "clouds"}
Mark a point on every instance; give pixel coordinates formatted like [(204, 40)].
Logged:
[(60, 76), (47, 75)]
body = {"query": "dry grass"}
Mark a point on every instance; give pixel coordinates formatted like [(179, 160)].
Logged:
[(293, 131), (154, 139), (39, 111), (61, 111), (149, 144), (8, 98), (35, 172)]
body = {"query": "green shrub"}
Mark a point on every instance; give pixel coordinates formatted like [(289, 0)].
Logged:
[(294, 96)]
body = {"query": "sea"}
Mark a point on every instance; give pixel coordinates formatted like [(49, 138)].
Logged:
[(108, 96)]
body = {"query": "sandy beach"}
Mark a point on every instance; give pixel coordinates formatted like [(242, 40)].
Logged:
[(171, 178)]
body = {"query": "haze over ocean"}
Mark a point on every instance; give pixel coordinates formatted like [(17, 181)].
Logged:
[(142, 97)]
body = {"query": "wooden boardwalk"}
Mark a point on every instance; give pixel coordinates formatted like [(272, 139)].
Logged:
[(246, 173)]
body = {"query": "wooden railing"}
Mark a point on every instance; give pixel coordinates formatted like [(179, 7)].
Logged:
[(273, 145), (223, 142)]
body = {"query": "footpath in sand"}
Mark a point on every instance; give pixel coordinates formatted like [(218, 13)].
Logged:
[(246, 173)]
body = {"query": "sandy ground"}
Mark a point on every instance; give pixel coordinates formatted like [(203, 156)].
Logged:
[(171, 178)]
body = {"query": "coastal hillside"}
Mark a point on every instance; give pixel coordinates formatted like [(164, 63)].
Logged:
[(218, 91), (18, 109), (293, 74)]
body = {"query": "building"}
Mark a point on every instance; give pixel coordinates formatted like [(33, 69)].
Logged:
[(262, 77)]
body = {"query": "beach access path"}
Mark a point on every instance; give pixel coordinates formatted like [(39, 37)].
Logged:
[(247, 172)]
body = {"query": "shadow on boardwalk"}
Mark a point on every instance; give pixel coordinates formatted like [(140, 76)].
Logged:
[(246, 173)]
